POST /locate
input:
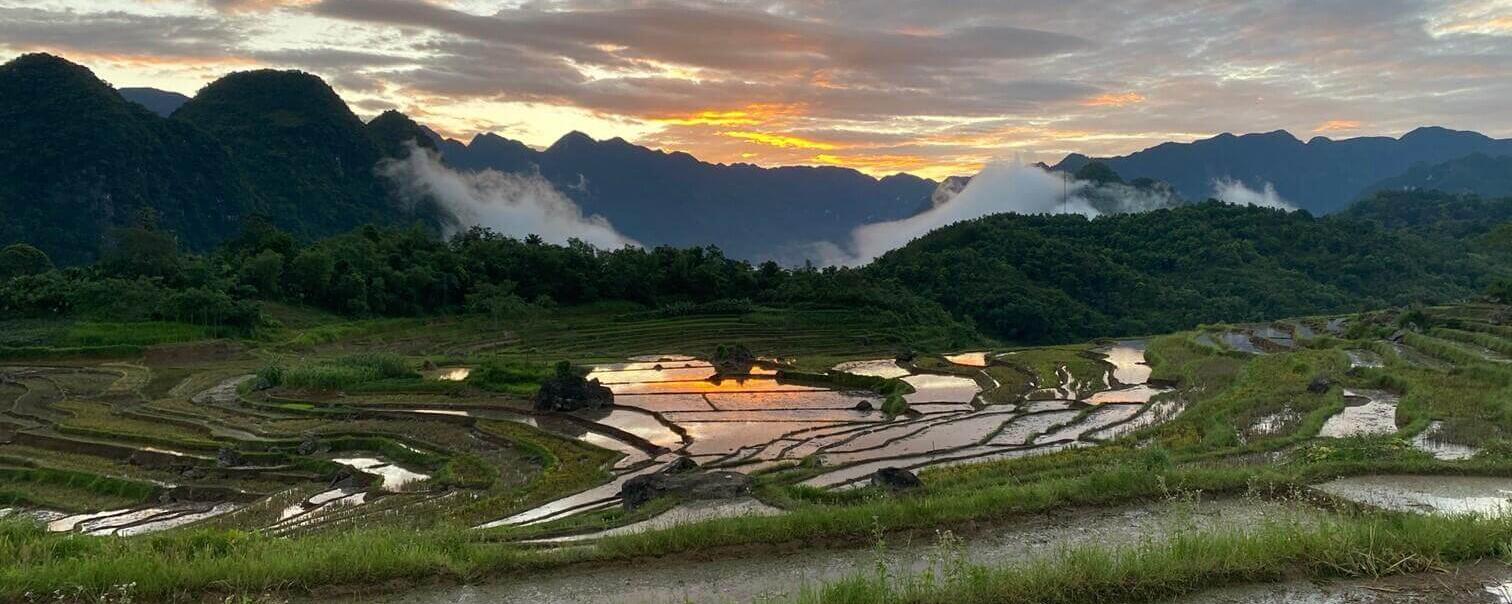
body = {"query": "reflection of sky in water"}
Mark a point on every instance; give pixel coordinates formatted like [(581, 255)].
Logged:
[(931, 388), (1447, 495), (755, 384), (882, 368), (969, 359), (453, 374), (1128, 363), (393, 476)]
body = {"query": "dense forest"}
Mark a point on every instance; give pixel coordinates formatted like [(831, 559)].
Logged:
[(1019, 278), (1048, 278)]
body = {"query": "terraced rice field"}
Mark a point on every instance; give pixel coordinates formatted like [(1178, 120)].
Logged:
[(197, 437)]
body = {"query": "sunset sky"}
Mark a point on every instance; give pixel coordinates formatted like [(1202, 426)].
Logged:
[(929, 87)]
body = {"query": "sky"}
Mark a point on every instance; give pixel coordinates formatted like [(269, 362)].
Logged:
[(933, 88)]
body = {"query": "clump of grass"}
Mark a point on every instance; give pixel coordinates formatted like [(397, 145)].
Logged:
[(509, 376), (467, 471), (894, 405), (346, 372)]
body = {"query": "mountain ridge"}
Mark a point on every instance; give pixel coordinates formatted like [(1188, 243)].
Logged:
[(1321, 175)]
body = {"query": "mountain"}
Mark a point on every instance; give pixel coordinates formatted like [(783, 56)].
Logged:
[(1320, 175), (80, 159), (1477, 173), (310, 158), (674, 199), (1065, 277), (161, 102)]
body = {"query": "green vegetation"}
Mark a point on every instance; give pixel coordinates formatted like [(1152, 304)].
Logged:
[(1065, 278), (509, 376), (340, 373), (1192, 562)]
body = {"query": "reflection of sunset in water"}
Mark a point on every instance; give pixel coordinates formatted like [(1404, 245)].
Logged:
[(969, 359), (754, 384)]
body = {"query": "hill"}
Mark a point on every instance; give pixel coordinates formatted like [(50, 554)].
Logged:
[(1060, 278), (1321, 175), (1478, 174), (80, 159), (662, 198)]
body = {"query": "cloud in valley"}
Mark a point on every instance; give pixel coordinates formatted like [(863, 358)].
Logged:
[(516, 205)]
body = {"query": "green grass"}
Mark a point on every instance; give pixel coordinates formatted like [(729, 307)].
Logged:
[(510, 376), (1188, 563), (342, 372)]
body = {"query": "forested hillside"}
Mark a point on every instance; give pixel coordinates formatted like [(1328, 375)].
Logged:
[(1054, 278), (1017, 278)]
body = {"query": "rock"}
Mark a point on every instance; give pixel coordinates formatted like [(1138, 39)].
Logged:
[(657, 367), (863, 406), (895, 479), (428, 365), (685, 484), (309, 446), (907, 356), (345, 478), (228, 457), (1319, 385), (680, 465), (733, 360), (568, 391), (193, 474)]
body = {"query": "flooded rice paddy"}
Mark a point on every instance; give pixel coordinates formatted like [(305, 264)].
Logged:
[(1445, 495), (753, 422), (1370, 413)]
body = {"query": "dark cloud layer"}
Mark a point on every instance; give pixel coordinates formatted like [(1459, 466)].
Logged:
[(879, 84)]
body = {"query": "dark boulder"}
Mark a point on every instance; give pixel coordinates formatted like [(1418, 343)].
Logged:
[(685, 484), (733, 360), (228, 457), (863, 406), (1319, 385), (308, 446), (568, 391), (895, 479), (680, 465), (347, 478)]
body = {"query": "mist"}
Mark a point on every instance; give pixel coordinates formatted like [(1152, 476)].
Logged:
[(999, 188), (515, 205), (1232, 191)]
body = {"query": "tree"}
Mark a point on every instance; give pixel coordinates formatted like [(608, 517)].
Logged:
[(264, 272), (21, 259), (141, 252)]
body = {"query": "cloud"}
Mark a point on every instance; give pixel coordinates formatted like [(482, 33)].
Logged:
[(151, 38), (999, 188), (1236, 192), (937, 87), (516, 205)]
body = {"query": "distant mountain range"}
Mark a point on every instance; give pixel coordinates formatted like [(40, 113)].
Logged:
[(161, 102), (291, 149), (673, 198), (1320, 175), (82, 157), (1478, 174)]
